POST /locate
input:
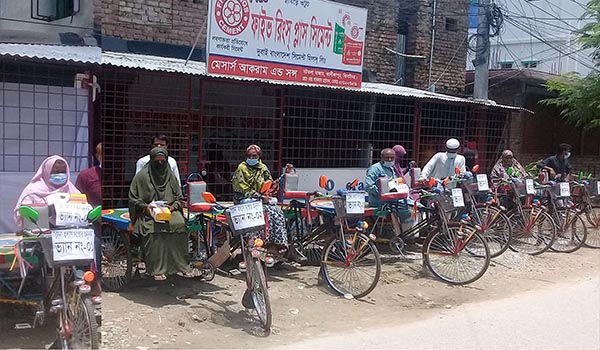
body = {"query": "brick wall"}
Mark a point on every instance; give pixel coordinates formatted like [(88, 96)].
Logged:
[(450, 46), (178, 22), (165, 21), (382, 32)]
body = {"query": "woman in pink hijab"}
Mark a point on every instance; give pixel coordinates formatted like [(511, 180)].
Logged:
[(53, 176), (400, 153)]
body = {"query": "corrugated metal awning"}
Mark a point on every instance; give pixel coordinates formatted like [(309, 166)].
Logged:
[(79, 54), (94, 55), (155, 63)]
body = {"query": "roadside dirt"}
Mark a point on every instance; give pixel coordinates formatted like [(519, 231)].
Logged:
[(183, 313)]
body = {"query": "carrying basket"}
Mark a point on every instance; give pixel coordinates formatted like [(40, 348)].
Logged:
[(446, 203), (245, 218), (558, 193), (354, 208), (592, 187), (76, 245), (520, 188)]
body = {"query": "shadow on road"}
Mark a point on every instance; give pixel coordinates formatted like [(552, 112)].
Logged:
[(38, 338)]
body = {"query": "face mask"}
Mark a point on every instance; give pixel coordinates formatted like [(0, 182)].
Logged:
[(251, 161), (567, 155), (58, 179), (388, 164), (159, 165), (451, 155)]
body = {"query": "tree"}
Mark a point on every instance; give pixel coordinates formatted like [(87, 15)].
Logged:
[(579, 97)]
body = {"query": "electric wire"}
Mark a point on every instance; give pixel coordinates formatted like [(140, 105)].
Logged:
[(545, 41)]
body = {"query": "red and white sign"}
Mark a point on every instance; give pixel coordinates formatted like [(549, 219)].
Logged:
[(306, 41)]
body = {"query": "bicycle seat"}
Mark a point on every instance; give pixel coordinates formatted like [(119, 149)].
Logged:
[(297, 195), (201, 207), (297, 204), (393, 196)]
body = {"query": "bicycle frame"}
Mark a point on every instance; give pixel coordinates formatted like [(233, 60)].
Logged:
[(585, 205), (519, 206)]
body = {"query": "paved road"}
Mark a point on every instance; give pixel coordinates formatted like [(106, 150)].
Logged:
[(563, 316)]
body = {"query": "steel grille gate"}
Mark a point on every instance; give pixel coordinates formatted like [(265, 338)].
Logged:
[(235, 116), (488, 129), (326, 129), (393, 124), (211, 122), (331, 129), (41, 114), (135, 106), (438, 123)]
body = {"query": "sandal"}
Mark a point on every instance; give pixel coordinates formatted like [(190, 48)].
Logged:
[(190, 274), (160, 277)]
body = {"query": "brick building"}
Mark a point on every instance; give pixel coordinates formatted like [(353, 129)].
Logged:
[(210, 120), (536, 134), (400, 25)]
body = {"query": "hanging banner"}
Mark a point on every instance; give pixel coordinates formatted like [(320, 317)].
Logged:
[(305, 41)]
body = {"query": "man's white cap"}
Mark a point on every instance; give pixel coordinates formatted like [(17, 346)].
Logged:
[(452, 144)]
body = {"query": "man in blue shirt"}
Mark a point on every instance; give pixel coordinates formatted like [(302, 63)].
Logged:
[(558, 166), (383, 168)]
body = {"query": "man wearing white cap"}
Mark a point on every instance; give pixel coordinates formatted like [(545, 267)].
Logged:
[(442, 164)]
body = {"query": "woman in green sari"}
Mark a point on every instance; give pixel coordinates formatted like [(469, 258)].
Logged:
[(164, 244)]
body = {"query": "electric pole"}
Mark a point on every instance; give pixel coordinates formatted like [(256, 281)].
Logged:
[(482, 53)]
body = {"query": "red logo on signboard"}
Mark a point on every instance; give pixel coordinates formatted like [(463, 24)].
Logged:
[(354, 32), (232, 15), (346, 20)]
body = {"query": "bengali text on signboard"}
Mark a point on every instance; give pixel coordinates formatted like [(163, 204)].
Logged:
[(306, 41)]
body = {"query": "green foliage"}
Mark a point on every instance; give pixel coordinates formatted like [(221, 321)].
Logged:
[(590, 33), (579, 97), (532, 168)]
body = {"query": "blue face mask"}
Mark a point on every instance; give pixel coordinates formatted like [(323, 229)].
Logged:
[(388, 164), (251, 161), (58, 179)]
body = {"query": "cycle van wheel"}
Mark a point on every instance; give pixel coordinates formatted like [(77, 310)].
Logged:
[(260, 294), (531, 235), (571, 231), (456, 267), (352, 266), (593, 228), (84, 329), (117, 261), (496, 229)]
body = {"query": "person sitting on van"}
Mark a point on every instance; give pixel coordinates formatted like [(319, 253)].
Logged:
[(558, 166), (247, 182), (500, 170), (165, 244), (52, 177), (383, 168), (442, 164)]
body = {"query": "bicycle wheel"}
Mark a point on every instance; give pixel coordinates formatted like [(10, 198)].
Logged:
[(313, 244), (297, 229), (533, 232), (84, 330), (592, 216), (571, 231), (116, 259), (351, 266), (453, 260), (260, 294), (495, 227)]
